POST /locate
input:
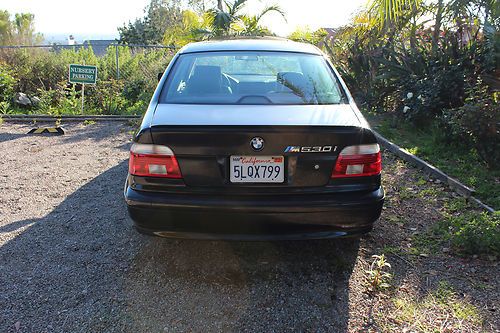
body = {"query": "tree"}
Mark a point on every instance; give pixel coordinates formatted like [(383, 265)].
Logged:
[(305, 35), (387, 12), (159, 16), (20, 30), (6, 30), (250, 24), (200, 6), (25, 28), (228, 20), (182, 34)]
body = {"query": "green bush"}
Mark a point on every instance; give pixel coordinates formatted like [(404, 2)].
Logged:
[(7, 82), (478, 123), (424, 98), (472, 233), (44, 73)]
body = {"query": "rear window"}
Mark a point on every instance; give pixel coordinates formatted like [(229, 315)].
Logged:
[(251, 78)]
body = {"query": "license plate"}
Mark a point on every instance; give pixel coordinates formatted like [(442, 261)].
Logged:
[(257, 169)]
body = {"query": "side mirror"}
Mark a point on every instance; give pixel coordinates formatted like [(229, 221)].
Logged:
[(159, 76)]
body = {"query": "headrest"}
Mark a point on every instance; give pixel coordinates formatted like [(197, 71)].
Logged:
[(205, 79)]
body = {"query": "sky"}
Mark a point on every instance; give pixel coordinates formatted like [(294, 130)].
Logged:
[(100, 18)]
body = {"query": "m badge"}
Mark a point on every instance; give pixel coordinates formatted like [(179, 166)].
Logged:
[(315, 149)]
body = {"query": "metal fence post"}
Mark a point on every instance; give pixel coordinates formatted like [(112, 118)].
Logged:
[(117, 63)]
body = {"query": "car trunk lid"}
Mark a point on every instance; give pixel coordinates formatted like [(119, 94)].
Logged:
[(204, 137)]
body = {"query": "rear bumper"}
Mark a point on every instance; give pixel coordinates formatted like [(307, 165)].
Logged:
[(270, 217)]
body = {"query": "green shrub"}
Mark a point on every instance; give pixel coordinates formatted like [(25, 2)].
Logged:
[(44, 73), (5, 108), (478, 123), (424, 98), (472, 233), (109, 98), (7, 83), (72, 103)]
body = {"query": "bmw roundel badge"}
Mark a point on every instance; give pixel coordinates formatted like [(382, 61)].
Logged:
[(257, 143)]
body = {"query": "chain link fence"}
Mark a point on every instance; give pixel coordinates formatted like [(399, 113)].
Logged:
[(34, 79)]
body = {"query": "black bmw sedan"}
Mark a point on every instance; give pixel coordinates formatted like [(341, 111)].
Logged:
[(253, 139)]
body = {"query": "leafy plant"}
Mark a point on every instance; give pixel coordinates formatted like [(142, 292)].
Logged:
[(71, 104), (7, 82), (472, 233), (5, 108), (478, 123), (377, 276)]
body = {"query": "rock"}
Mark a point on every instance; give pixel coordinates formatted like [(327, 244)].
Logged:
[(35, 100), (22, 99)]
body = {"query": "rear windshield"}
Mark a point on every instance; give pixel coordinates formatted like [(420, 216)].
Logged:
[(251, 78)]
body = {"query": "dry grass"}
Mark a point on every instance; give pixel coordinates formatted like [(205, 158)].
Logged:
[(441, 310)]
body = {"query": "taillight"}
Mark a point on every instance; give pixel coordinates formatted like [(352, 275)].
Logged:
[(150, 160), (358, 161)]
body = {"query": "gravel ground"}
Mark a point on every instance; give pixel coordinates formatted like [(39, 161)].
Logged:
[(71, 262)]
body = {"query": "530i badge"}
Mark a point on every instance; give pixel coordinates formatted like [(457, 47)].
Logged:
[(212, 158)]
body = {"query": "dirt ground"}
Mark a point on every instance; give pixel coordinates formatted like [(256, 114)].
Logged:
[(70, 260)]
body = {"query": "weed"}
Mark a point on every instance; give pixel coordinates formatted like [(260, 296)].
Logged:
[(395, 219), (5, 108), (88, 122), (456, 205), (406, 193), (421, 181), (414, 251), (440, 310), (465, 232), (391, 250), (412, 150), (426, 243), (446, 296), (377, 276), (430, 192), (471, 233)]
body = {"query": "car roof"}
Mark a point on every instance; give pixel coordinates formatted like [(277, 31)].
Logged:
[(251, 44)]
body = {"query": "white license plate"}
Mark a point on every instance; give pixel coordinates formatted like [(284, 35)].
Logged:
[(257, 169)]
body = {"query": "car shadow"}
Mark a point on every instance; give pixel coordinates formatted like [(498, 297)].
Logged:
[(242, 286), (82, 268)]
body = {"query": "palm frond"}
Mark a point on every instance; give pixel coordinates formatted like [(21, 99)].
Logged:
[(272, 8), (236, 7), (388, 11)]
